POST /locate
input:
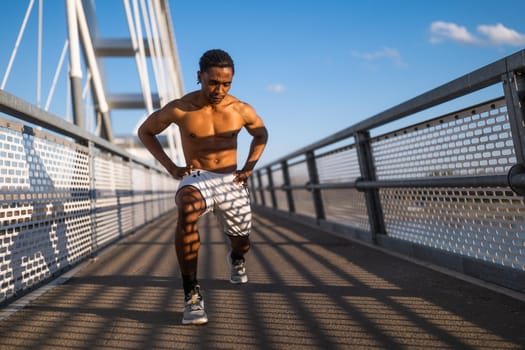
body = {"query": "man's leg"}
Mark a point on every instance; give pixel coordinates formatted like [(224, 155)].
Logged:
[(190, 206), (235, 218), (239, 247)]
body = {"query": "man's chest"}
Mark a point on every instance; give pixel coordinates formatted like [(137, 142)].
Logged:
[(200, 125)]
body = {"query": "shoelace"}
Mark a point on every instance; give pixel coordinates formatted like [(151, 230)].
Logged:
[(194, 302), (239, 265), (195, 297)]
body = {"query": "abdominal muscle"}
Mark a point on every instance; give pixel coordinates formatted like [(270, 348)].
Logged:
[(214, 157)]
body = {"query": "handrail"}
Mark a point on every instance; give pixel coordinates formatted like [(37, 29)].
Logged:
[(459, 181)]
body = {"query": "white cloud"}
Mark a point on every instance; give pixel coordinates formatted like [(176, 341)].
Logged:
[(443, 30), (488, 34), (388, 53), (276, 88), (499, 34)]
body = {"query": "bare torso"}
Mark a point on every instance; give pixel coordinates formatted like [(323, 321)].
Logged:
[(209, 122), (209, 133)]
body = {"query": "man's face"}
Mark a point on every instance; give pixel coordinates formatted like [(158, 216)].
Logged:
[(215, 83)]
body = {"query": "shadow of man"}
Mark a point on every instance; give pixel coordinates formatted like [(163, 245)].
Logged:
[(40, 248)]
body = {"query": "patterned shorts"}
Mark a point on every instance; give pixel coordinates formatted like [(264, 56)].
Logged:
[(229, 201)]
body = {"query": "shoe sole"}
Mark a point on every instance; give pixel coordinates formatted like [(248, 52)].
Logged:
[(197, 321), (243, 279)]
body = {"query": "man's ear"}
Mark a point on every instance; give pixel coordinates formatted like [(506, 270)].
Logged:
[(198, 77)]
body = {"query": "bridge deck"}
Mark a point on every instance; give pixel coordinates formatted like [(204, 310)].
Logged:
[(307, 290)]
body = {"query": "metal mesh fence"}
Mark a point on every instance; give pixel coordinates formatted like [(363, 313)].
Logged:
[(280, 196), (60, 202), (302, 198), (472, 142), (347, 207), (486, 224), (338, 166), (343, 206)]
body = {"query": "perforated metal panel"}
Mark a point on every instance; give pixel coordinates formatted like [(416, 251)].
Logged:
[(278, 181), (264, 184), (165, 193), (113, 194), (472, 142), (302, 198), (343, 206), (340, 165), (347, 207), (487, 224), (45, 206), (298, 172), (60, 202), (140, 186)]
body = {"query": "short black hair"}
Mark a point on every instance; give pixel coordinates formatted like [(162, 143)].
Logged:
[(215, 58)]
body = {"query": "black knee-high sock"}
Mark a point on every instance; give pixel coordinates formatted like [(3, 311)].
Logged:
[(189, 282), (236, 257)]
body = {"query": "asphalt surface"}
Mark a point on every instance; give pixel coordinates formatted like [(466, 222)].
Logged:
[(307, 290)]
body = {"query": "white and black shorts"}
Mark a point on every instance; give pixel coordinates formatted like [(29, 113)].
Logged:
[(229, 201)]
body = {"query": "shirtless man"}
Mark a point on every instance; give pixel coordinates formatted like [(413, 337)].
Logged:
[(209, 121)]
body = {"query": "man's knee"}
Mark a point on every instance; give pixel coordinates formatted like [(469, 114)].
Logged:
[(190, 203)]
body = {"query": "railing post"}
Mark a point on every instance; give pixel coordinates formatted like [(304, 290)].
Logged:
[(93, 197), (314, 180), (252, 187), (514, 88), (261, 190), (373, 203), (272, 190), (287, 183)]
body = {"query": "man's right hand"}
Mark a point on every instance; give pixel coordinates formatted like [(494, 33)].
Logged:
[(180, 171)]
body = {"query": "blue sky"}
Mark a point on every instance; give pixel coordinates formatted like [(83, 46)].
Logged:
[(313, 67)]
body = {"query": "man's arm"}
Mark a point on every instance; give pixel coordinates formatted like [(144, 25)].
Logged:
[(156, 123), (256, 128)]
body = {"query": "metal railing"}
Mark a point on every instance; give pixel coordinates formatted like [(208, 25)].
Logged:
[(65, 194), (448, 189)]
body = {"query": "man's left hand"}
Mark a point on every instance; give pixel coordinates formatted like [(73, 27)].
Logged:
[(241, 177)]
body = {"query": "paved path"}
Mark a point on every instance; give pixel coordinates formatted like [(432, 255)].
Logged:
[(307, 290)]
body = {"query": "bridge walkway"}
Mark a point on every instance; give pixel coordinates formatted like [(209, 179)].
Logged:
[(307, 290)]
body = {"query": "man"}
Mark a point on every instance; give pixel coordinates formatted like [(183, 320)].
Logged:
[(209, 121)]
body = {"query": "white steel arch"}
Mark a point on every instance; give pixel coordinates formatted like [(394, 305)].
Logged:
[(151, 44)]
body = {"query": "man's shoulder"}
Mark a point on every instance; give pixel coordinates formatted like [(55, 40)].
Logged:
[(235, 102), (240, 106), (185, 103)]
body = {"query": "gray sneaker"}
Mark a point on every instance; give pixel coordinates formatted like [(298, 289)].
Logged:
[(194, 308), (237, 270)]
